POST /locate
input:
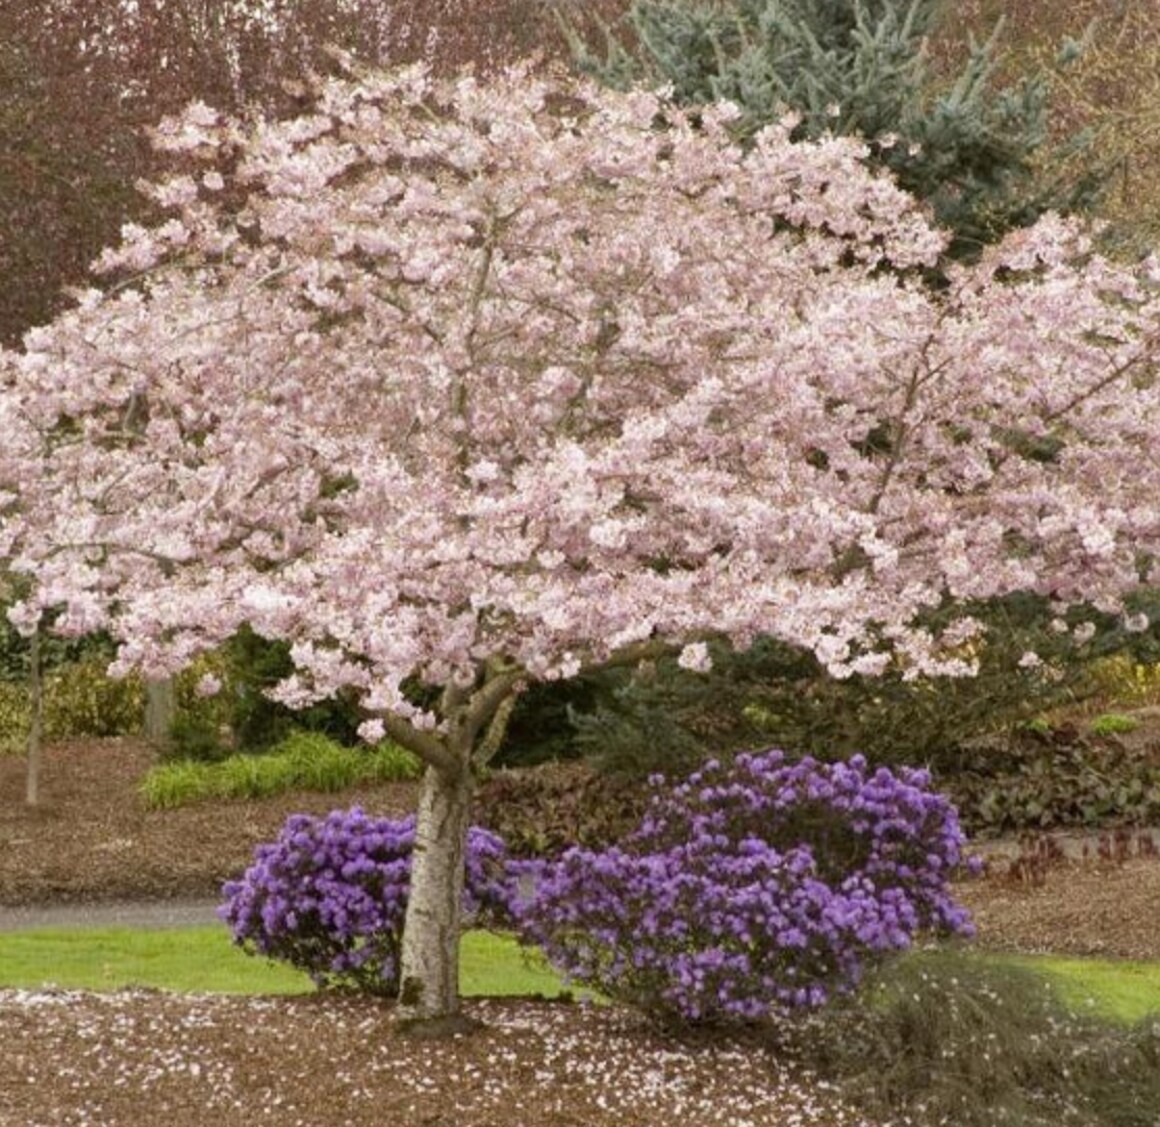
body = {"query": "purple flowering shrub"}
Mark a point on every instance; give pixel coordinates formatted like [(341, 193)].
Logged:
[(752, 888), (329, 896)]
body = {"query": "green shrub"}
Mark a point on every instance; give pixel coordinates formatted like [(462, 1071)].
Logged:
[(251, 666), (253, 776), (541, 729), (946, 1038), (1038, 782), (389, 763), (14, 717), (318, 763), (201, 728), (195, 736), (170, 785), (1039, 725), (1128, 682), (302, 761), (80, 699), (240, 717), (541, 810), (1113, 724), (664, 718), (55, 650)]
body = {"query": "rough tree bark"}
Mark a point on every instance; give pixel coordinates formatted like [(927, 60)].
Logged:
[(160, 708), (430, 956)]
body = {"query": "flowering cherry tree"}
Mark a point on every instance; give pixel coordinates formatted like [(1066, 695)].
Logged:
[(456, 385)]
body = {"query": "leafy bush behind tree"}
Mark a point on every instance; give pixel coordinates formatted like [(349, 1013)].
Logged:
[(240, 716), (1052, 780), (541, 811), (79, 698), (661, 717)]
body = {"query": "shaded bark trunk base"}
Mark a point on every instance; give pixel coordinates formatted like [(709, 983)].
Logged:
[(438, 1028)]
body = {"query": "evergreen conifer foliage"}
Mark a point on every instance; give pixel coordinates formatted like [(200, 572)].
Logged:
[(857, 67)]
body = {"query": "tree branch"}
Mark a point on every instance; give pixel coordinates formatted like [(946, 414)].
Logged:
[(168, 564), (486, 701), (497, 729), (635, 653), (432, 750), (1117, 373)]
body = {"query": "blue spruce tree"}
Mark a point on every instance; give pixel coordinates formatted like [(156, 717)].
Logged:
[(861, 67)]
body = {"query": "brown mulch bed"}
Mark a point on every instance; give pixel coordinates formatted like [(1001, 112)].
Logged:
[(144, 1059), (91, 838), (139, 1058), (1081, 908)]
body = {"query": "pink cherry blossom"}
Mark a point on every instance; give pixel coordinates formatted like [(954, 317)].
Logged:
[(208, 685), (482, 383), (695, 656)]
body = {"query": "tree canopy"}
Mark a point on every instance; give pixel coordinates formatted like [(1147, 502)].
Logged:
[(455, 385)]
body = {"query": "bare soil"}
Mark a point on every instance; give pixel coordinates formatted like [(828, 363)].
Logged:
[(139, 1058)]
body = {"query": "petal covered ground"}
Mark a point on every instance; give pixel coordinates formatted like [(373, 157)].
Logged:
[(148, 1058)]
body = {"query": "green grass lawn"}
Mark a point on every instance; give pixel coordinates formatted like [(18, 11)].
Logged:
[(202, 960), (1119, 990)]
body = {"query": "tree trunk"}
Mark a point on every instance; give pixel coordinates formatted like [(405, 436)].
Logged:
[(160, 709), (36, 706), (430, 958)]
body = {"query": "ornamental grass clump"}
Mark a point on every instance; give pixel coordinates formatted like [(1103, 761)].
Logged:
[(753, 888), (330, 894), (942, 1037)]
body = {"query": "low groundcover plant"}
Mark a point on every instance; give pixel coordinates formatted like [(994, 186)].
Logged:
[(330, 894), (752, 888)]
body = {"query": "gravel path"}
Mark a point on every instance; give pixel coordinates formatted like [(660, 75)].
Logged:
[(123, 913)]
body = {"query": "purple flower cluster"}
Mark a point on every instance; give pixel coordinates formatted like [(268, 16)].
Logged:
[(752, 888), (329, 896)]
